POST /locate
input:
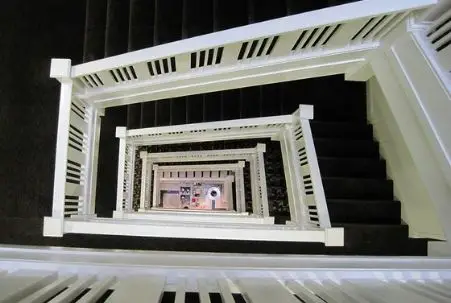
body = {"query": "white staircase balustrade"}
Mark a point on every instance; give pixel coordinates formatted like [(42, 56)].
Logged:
[(309, 217), (312, 44), (380, 38), (414, 77), (41, 275), (76, 153), (198, 156), (313, 195)]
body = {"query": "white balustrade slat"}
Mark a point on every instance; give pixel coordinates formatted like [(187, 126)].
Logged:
[(78, 138), (204, 296), (391, 25), (225, 292), (437, 287), (74, 290), (22, 283), (408, 294), (265, 291), (344, 293), (138, 289), (443, 40), (445, 16), (180, 291), (97, 290), (329, 294), (445, 57), (381, 26), (363, 290), (302, 292), (50, 290), (78, 122), (420, 289), (390, 292), (73, 189)]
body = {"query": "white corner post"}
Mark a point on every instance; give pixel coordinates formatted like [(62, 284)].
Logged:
[(54, 225), (156, 186), (144, 187), (256, 209), (293, 180), (261, 180), (239, 188), (92, 160), (311, 177), (121, 133)]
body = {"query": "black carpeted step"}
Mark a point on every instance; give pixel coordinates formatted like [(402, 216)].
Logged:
[(364, 211), (346, 148), (358, 188), (338, 130), (140, 35), (94, 40), (229, 14), (266, 10), (197, 18), (380, 240), (352, 167), (117, 23), (168, 21)]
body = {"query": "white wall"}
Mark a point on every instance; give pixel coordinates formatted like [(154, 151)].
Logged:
[(417, 207)]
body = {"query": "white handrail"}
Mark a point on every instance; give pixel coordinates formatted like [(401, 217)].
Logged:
[(318, 43), (327, 16)]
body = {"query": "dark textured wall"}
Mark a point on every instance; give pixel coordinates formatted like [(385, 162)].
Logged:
[(31, 33)]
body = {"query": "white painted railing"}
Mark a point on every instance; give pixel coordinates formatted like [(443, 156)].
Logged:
[(76, 152), (312, 44), (246, 154), (414, 79), (313, 192), (126, 168), (68, 275), (309, 219)]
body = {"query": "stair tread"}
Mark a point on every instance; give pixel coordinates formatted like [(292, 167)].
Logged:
[(361, 167)]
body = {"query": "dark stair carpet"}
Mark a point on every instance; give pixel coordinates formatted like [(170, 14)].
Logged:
[(359, 196)]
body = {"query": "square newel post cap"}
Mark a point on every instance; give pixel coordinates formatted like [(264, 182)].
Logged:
[(261, 147), (143, 154), (306, 111), (60, 68), (121, 132)]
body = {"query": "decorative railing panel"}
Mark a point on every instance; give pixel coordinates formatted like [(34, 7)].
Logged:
[(313, 192), (344, 34)]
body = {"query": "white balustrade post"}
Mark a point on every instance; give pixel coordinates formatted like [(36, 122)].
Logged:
[(121, 133), (148, 203), (156, 186), (92, 160), (228, 191), (261, 148), (95, 158), (254, 186), (144, 189), (306, 114), (239, 186), (130, 160), (292, 178), (61, 70)]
